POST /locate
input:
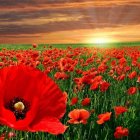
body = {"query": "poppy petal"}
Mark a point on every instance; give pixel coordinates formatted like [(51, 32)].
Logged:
[(18, 76), (49, 124), (84, 114), (74, 114), (53, 103)]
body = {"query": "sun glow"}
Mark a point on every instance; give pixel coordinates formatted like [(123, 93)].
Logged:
[(101, 40)]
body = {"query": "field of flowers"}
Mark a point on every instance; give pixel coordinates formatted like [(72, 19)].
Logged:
[(93, 93)]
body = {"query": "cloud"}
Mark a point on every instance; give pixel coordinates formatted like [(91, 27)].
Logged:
[(62, 20), (26, 5), (51, 16), (40, 2), (122, 33)]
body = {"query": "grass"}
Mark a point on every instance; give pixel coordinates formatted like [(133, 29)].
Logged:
[(27, 46)]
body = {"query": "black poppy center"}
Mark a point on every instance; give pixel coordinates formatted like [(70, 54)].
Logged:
[(79, 119), (19, 107)]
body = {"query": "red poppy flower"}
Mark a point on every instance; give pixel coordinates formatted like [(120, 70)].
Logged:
[(34, 45), (121, 77), (119, 110), (2, 137), (104, 117), (127, 68), (132, 75), (30, 100), (97, 78), (122, 61), (138, 80), (85, 101), (111, 73), (132, 90), (113, 62), (78, 116), (96, 82), (102, 68), (61, 75), (74, 101), (120, 132), (104, 86), (11, 134), (79, 71), (7, 135), (94, 85)]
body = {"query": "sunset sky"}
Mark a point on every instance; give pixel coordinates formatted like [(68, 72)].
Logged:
[(69, 21)]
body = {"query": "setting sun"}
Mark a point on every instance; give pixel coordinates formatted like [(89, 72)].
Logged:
[(101, 40)]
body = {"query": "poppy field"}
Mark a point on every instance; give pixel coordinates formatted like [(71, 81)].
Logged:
[(74, 93)]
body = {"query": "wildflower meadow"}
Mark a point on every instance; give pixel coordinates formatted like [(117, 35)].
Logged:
[(70, 93)]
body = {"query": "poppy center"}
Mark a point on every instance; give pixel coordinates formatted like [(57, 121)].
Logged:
[(19, 107), (79, 119)]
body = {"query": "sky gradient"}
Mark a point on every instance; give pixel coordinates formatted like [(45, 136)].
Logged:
[(69, 21)]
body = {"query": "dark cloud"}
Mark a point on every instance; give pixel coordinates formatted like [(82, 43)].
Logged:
[(51, 27), (8, 3), (100, 13), (21, 36), (38, 2), (92, 18)]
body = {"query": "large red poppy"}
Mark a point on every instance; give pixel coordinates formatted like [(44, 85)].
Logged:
[(30, 100)]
